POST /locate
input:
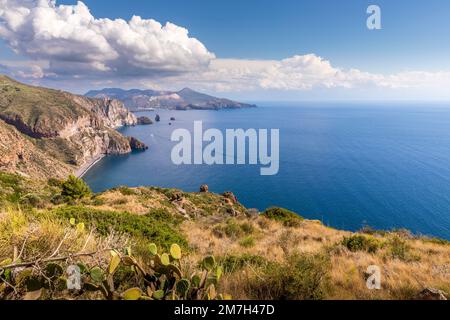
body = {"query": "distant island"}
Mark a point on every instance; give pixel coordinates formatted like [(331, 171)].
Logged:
[(186, 99)]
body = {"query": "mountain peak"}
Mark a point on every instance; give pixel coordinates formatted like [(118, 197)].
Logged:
[(187, 90)]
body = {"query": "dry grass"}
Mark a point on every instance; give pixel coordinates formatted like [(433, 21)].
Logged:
[(262, 248), (30, 236), (423, 265)]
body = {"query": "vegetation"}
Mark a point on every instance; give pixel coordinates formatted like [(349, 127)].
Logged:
[(156, 226), (132, 231), (75, 189), (301, 277), (361, 243), (288, 218)]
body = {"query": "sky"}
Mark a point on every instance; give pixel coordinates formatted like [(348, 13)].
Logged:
[(249, 50)]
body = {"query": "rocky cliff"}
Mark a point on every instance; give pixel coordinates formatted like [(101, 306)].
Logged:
[(65, 130)]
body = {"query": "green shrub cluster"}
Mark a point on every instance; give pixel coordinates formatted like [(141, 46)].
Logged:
[(157, 226), (359, 242), (75, 189), (233, 263), (301, 277), (288, 218), (400, 249), (233, 229)]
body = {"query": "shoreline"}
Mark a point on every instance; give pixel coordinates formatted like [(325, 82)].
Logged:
[(88, 165)]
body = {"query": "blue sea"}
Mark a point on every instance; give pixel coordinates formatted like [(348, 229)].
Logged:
[(384, 165)]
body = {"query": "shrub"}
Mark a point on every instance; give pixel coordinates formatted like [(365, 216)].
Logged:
[(232, 263), (96, 201), (32, 200), (247, 228), (53, 182), (247, 242), (301, 277), (361, 243), (400, 249), (155, 226), (75, 189), (57, 199), (232, 229), (288, 218), (125, 191)]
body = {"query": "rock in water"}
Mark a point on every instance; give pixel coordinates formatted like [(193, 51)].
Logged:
[(144, 121), (204, 188), (135, 144)]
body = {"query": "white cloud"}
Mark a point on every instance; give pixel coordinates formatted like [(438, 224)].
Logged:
[(73, 41), (300, 73), (66, 43)]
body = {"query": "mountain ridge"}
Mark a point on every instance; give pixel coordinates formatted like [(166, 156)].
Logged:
[(184, 99)]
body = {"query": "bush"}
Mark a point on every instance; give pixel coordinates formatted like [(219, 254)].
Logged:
[(247, 228), (288, 218), (53, 182), (232, 263), (32, 200), (75, 189), (400, 249), (125, 191), (232, 229), (301, 277), (361, 243), (57, 199), (247, 242), (157, 226)]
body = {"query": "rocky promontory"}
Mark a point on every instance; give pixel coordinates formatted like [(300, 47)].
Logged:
[(47, 131)]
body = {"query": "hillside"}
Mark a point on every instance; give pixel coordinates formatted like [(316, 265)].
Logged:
[(275, 254), (186, 99), (47, 132), (152, 243)]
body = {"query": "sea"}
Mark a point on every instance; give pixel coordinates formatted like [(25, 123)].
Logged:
[(385, 165)]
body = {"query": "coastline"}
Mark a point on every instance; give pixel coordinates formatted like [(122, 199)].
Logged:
[(88, 165)]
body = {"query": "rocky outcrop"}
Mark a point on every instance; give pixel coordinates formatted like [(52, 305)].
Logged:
[(431, 294), (67, 129), (230, 196), (144, 121), (204, 188), (135, 144)]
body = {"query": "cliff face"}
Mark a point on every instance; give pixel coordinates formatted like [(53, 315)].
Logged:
[(66, 129), (20, 155)]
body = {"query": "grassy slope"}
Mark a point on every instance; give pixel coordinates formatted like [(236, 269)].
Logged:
[(271, 256)]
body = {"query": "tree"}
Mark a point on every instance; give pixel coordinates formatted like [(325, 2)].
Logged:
[(74, 188)]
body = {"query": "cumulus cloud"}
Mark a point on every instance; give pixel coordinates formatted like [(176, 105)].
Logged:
[(66, 43), (73, 41), (300, 73)]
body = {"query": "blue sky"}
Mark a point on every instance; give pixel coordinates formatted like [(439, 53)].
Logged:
[(416, 33), (415, 38)]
